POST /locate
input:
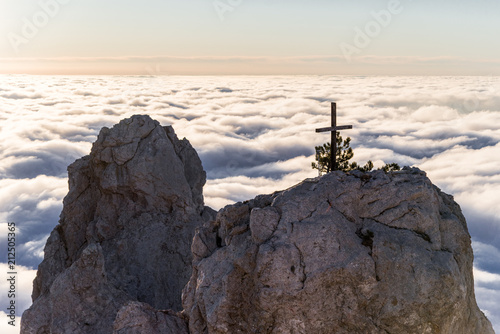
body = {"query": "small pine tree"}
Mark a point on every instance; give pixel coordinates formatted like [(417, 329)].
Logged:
[(344, 154), (391, 167)]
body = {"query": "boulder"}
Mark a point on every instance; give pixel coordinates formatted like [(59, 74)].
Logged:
[(124, 234), (346, 253)]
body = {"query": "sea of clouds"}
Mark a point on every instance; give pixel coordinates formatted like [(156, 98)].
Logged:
[(254, 135)]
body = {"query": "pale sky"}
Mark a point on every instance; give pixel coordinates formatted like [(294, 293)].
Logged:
[(365, 37)]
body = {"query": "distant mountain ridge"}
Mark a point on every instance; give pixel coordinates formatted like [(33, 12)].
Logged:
[(345, 253)]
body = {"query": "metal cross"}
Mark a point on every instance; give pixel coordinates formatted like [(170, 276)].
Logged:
[(333, 129)]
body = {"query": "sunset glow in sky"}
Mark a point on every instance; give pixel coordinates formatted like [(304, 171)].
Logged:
[(391, 37)]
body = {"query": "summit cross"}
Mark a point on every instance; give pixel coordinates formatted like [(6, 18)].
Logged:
[(333, 129)]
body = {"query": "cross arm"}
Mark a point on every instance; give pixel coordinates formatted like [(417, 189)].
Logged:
[(335, 128)]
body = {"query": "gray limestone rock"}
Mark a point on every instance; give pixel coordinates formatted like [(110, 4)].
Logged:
[(141, 318), (124, 234), (345, 253)]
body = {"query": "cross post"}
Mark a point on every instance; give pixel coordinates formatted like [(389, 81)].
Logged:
[(333, 129)]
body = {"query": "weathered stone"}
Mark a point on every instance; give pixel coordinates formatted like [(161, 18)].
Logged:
[(80, 300), (134, 203), (141, 318), (263, 223), (345, 253)]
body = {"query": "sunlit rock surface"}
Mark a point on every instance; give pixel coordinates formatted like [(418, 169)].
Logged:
[(345, 253)]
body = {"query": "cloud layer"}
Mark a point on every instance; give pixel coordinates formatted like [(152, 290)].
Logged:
[(256, 135)]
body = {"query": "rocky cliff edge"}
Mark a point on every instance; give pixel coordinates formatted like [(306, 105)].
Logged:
[(345, 253), (124, 234)]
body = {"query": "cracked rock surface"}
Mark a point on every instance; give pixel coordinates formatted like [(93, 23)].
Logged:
[(345, 253), (124, 236)]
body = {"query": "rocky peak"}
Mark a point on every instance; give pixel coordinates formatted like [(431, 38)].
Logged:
[(125, 229), (140, 157), (345, 253)]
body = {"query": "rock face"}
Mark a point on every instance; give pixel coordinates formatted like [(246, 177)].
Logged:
[(346, 253), (124, 235)]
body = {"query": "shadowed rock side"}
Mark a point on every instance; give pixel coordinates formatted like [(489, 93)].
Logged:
[(345, 253), (122, 246)]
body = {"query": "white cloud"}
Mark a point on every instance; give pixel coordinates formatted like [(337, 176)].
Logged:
[(484, 277), (489, 305), (434, 114), (5, 328), (34, 205), (256, 135), (22, 299)]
